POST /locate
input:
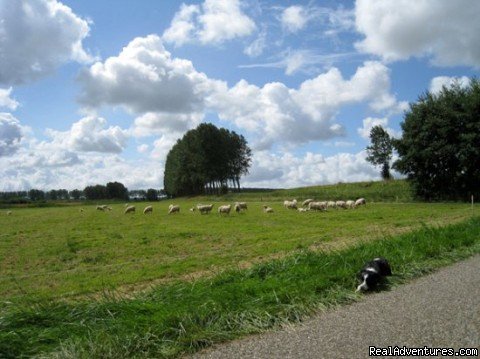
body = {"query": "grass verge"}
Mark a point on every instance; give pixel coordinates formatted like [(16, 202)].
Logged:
[(184, 317)]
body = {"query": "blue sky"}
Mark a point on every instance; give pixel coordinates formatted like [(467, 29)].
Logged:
[(99, 91)]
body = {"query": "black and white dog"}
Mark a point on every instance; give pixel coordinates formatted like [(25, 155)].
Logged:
[(372, 273)]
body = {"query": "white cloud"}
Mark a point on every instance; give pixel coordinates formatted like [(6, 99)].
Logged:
[(6, 101), (437, 83), (11, 134), (294, 18), (145, 78), (284, 170), (182, 28), (276, 113), (257, 46), (212, 23), (37, 36), (370, 122), (143, 148), (446, 31), (90, 135), (152, 123)]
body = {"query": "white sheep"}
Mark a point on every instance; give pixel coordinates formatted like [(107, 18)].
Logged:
[(304, 209), (307, 202), (192, 209), (108, 207), (360, 201), (102, 207), (267, 209), (317, 206), (148, 209), (9, 213), (290, 204), (225, 209), (129, 209), (173, 209), (331, 204), (204, 208), (350, 204), (341, 204), (241, 205), (236, 207)]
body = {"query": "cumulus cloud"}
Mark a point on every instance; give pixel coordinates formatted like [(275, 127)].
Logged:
[(211, 23), (294, 116), (284, 170), (370, 122), (437, 83), (294, 18), (11, 134), (90, 135), (6, 101), (446, 31), (37, 36), (145, 78), (153, 123)]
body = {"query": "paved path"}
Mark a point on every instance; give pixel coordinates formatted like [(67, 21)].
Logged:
[(438, 310)]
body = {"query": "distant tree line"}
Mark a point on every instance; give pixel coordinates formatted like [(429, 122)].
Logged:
[(110, 191), (206, 160)]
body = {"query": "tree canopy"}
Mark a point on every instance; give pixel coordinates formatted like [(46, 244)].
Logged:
[(380, 151), (206, 160), (440, 147)]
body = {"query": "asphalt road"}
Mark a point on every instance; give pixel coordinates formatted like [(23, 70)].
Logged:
[(438, 310)]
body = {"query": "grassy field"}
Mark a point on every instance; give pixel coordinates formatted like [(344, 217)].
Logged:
[(60, 251), (92, 284)]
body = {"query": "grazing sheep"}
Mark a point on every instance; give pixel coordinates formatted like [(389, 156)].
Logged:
[(267, 209), (225, 209), (192, 209), (290, 204), (237, 208), (81, 209), (307, 202), (303, 209), (204, 208), (148, 209), (331, 204), (129, 209), (241, 205), (317, 206), (109, 208), (9, 213), (350, 204), (341, 204), (360, 201), (173, 209), (101, 208)]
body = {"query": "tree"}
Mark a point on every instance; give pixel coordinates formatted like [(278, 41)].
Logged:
[(380, 151), (116, 190), (206, 160), (95, 192), (76, 194), (152, 195), (439, 150)]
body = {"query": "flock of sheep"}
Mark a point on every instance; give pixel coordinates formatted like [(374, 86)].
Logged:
[(312, 205), (307, 205)]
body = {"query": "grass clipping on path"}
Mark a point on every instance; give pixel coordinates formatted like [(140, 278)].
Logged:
[(184, 317)]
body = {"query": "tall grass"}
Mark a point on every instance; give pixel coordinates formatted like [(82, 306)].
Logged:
[(183, 317)]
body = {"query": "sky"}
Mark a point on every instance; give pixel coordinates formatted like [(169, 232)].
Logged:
[(99, 91)]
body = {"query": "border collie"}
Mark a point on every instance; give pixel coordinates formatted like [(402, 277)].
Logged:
[(372, 273)]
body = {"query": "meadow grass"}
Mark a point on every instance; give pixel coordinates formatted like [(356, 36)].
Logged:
[(182, 317), (59, 251)]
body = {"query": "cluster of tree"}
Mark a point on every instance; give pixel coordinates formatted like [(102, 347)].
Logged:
[(439, 150), (206, 160), (146, 195), (112, 190)]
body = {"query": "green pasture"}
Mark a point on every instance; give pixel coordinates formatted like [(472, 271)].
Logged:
[(59, 252)]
